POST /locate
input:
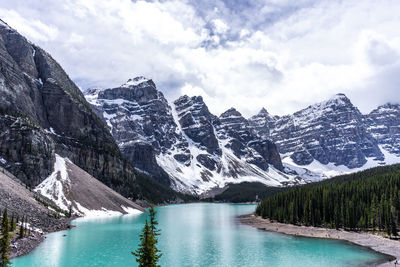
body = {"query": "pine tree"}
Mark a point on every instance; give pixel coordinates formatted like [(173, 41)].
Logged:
[(69, 212), (147, 255), (21, 228), (5, 217), (5, 242), (153, 222), (12, 223), (365, 201)]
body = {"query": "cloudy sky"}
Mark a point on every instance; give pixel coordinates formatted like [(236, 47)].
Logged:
[(278, 54)]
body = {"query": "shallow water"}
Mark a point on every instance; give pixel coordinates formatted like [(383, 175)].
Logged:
[(191, 235)]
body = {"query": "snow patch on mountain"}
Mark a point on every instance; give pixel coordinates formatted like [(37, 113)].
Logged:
[(193, 177), (130, 210), (82, 211), (64, 187), (308, 175), (91, 95), (197, 179), (135, 81), (56, 186), (329, 170)]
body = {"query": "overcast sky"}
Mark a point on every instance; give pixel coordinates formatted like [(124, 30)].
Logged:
[(279, 54)]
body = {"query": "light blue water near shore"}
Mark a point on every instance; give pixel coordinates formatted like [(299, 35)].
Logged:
[(191, 235)]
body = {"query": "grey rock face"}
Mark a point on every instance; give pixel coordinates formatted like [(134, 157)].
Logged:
[(244, 141), (383, 123), (27, 150), (331, 131), (144, 157), (186, 140), (140, 120), (196, 122), (262, 123), (56, 119)]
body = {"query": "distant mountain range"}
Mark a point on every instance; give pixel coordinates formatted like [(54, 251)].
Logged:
[(186, 146), (182, 144)]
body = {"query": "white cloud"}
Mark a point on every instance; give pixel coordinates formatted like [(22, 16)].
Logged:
[(274, 54), (33, 28), (220, 26)]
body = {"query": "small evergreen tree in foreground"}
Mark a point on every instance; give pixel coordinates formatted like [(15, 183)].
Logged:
[(5, 242), (147, 255)]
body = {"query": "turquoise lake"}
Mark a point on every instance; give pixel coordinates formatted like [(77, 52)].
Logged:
[(191, 235)]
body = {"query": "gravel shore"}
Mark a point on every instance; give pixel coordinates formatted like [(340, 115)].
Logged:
[(378, 243), (22, 246)]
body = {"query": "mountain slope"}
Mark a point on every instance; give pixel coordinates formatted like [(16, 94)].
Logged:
[(383, 123), (70, 187), (196, 150), (42, 112), (21, 202), (332, 131), (333, 137)]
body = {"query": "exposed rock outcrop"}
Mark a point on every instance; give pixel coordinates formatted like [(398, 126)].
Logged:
[(332, 131), (383, 123), (184, 143), (42, 112)]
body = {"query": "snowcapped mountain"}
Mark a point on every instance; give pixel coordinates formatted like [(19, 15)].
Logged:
[(333, 137), (186, 146), (383, 124), (183, 144)]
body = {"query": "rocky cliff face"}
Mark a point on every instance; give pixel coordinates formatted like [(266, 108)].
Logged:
[(196, 150), (245, 143), (140, 119), (331, 132), (383, 123), (43, 112)]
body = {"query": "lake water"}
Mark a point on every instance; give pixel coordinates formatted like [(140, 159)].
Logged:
[(191, 235)]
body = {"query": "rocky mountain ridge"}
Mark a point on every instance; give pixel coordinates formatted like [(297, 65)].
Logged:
[(197, 150), (333, 135), (383, 123)]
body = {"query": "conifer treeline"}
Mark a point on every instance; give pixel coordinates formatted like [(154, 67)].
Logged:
[(5, 240), (367, 201), (8, 228)]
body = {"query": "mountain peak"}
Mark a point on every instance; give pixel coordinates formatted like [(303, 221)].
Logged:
[(336, 100), (387, 108), (339, 96), (231, 112), (263, 111), (135, 81)]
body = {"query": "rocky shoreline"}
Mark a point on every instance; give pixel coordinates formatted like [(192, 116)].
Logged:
[(22, 246), (386, 246)]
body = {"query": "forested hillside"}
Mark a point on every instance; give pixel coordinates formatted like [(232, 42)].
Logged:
[(367, 201)]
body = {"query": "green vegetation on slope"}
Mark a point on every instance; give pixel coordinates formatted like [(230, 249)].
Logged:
[(246, 192), (367, 201), (155, 192)]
